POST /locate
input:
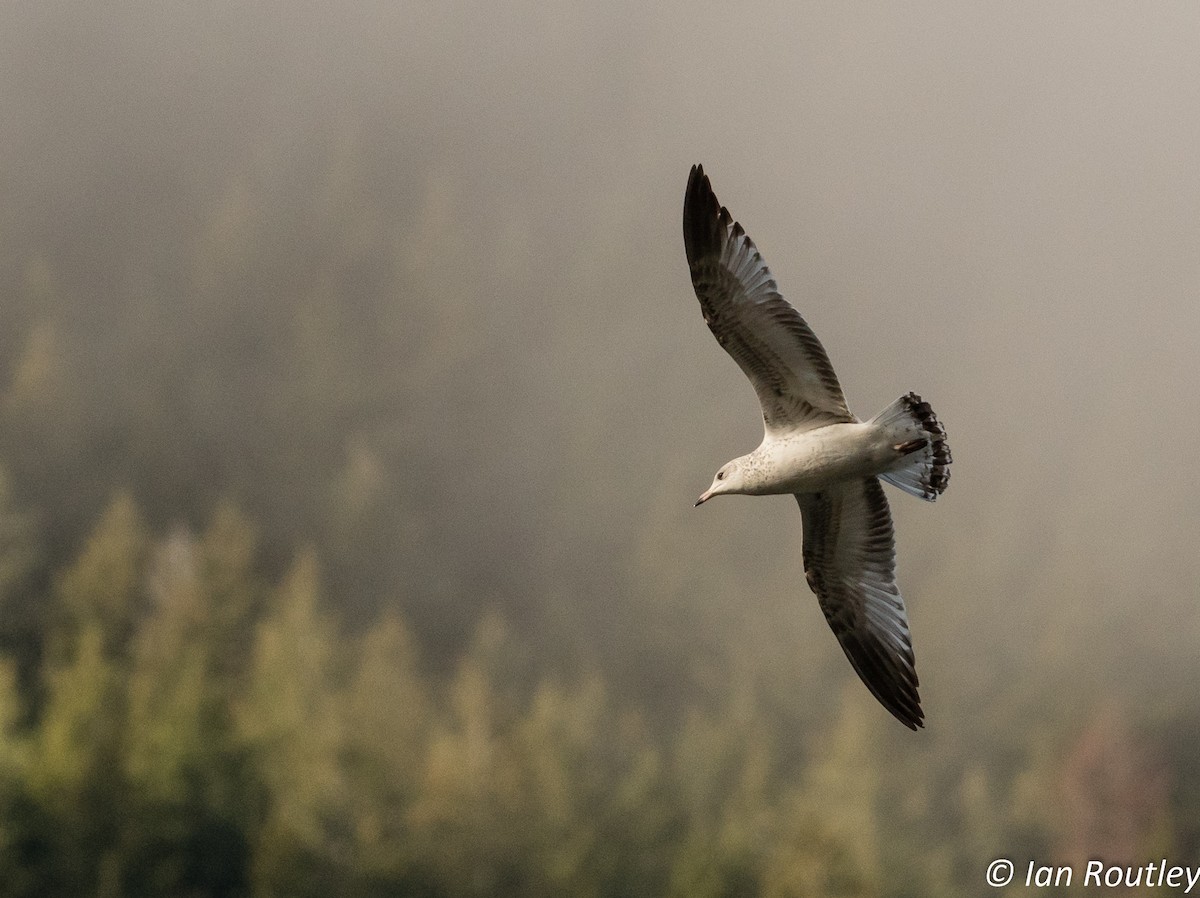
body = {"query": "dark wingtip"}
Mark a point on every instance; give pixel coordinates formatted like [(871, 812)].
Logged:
[(903, 703), (894, 685), (701, 217), (914, 720)]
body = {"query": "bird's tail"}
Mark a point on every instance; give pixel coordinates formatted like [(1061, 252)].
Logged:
[(923, 467)]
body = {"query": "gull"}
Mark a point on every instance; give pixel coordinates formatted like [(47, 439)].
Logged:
[(815, 449)]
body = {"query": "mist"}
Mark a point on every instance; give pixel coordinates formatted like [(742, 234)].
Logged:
[(405, 285)]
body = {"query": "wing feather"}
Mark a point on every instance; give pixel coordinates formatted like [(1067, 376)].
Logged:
[(770, 341), (849, 561)]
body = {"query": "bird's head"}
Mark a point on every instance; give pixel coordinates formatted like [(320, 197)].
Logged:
[(730, 479)]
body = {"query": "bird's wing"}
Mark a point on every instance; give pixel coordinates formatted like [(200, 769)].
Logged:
[(768, 339), (849, 560)]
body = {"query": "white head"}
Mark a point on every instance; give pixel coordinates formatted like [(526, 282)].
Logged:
[(730, 479)]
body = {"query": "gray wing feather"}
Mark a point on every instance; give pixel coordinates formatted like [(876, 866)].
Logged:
[(849, 560), (767, 337)]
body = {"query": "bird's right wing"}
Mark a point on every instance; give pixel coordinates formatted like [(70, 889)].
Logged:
[(849, 560), (769, 340)]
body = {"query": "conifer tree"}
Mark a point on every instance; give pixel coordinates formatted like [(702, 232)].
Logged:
[(291, 721)]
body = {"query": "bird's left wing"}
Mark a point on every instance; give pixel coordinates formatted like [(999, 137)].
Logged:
[(766, 336), (849, 560)]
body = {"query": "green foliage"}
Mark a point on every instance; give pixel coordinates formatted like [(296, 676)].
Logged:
[(102, 592), (14, 770), (291, 719), (194, 728), (22, 616)]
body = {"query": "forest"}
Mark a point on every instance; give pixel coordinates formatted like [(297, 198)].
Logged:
[(353, 405)]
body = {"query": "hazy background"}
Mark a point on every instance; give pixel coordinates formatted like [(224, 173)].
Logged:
[(376, 317)]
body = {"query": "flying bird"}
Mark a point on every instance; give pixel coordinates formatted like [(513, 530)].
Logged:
[(815, 449)]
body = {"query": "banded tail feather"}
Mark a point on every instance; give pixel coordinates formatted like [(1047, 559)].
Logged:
[(920, 439)]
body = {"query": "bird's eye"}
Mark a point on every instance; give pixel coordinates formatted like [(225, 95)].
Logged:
[(720, 475)]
